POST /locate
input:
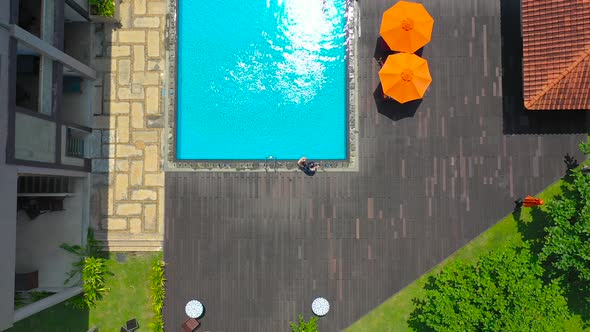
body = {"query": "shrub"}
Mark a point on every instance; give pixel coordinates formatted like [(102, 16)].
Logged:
[(503, 291), (93, 269), (92, 249), (93, 278), (104, 8), (158, 292), (304, 326)]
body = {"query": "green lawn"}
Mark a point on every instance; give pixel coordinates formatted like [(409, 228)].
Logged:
[(392, 315), (57, 318), (128, 298)]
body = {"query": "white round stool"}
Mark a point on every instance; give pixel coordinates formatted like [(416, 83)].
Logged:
[(320, 306), (194, 309)]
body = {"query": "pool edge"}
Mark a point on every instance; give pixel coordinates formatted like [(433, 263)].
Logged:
[(172, 164)]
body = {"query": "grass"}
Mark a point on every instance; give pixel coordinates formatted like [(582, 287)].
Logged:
[(128, 298), (393, 314), (57, 318)]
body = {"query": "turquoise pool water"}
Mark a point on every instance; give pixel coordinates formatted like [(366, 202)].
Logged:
[(261, 78)]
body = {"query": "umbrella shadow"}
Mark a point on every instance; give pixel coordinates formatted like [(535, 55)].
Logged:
[(419, 51), (393, 109), (382, 51)]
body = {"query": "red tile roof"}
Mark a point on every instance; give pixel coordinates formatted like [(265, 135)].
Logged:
[(556, 59)]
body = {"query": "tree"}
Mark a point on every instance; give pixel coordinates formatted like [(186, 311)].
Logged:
[(503, 291), (567, 242), (303, 326)]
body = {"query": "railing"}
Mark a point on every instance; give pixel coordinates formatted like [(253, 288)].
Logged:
[(74, 145), (271, 161)]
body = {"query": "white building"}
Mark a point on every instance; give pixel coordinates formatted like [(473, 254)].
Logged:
[(46, 88)]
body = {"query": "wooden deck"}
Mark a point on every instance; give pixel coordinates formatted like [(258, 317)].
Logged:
[(256, 248)]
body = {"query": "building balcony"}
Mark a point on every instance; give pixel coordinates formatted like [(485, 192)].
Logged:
[(37, 139), (77, 100), (53, 106), (74, 146), (77, 30)]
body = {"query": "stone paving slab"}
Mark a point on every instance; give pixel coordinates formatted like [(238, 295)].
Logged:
[(127, 203)]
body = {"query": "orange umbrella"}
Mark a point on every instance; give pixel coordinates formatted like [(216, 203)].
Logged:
[(406, 26), (405, 77)]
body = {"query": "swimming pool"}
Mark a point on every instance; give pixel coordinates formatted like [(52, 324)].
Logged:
[(261, 78)]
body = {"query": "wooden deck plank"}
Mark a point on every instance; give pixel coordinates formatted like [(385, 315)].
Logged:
[(257, 247)]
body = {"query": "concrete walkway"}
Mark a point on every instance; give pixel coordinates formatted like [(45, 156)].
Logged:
[(127, 202)]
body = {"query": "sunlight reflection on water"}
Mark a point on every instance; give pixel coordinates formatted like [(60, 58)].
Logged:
[(307, 31)]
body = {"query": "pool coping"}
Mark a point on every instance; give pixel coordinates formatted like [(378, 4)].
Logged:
[(172, 164)]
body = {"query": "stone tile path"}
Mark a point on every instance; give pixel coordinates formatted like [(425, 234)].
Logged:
[(127, 203)]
